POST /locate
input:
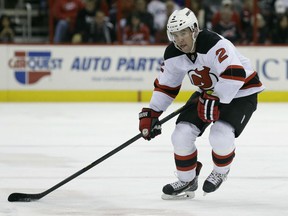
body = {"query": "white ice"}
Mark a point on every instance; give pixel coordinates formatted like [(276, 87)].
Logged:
[(42, 144)]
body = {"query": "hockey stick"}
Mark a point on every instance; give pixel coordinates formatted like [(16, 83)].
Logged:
[(24, 197)]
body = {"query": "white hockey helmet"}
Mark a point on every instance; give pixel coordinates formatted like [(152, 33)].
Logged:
[(181, 19)]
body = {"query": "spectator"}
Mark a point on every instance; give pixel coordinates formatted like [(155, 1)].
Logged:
[(97, 31), (203, 13), (136, 32), (65, 13), (102, 5), (280, 32), (234, 16), (145, 17), (6, 30), (112, 14), (266, 9), (227, 27), (161, 34), (158, 9), (246, 18), (262, 35), (85, 17), (103, 31), (281, 6), (127, 7)]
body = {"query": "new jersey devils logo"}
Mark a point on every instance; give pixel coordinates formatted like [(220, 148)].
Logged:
[(203, 78)]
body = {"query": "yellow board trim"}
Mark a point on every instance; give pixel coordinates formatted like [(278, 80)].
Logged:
[(111, 96)]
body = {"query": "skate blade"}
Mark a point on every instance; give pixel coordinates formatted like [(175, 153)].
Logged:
[(184, 196)]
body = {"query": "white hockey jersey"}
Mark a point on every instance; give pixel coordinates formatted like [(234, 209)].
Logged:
[(216, 65)]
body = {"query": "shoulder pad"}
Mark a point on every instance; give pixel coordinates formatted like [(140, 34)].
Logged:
[(171, 51), (206, 40)]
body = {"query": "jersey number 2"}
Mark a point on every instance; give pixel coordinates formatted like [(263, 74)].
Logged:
[(221, 53)]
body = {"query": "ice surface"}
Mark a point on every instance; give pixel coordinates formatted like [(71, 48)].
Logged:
[(43, 143)]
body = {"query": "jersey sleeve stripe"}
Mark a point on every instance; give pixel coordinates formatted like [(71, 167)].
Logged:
[(170, 91), (251, 77), (234, 72), (252, 81), (233, 78)]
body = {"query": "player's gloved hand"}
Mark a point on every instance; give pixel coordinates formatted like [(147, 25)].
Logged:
[(207, 107), (149, 124)]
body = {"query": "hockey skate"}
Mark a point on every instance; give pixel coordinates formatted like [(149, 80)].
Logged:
[(180, 190), (213, 181)]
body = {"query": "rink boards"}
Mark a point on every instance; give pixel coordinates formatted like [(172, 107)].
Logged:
[(112, 73)]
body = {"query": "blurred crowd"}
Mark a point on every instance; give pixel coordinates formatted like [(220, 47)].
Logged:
[(144, 21)]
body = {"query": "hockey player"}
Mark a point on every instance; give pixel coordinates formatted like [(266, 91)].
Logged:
[(226, 97)]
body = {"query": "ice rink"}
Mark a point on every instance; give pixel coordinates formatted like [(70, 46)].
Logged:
[(44, 143)]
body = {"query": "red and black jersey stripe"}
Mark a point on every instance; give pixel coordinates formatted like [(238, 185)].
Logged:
[(172, 92), (234, 72), (252, 81)]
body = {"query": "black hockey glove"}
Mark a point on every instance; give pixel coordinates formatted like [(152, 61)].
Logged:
[(149, 124)]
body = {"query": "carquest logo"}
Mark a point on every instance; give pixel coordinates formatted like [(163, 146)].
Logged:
[(29, 67)]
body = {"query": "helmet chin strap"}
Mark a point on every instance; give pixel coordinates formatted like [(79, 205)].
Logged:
[(194, 37)]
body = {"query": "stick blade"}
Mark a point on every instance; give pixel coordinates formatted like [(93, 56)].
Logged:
[(22, 197)]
